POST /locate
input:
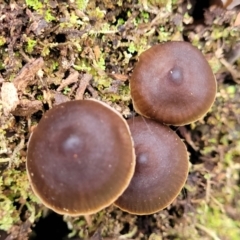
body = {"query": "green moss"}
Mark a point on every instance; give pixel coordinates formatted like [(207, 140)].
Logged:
[(164, 35), (82, 65), (218, 223), (2, 40), (97, 13), (48, 16), (30, 45), (103, 82), (82, 4), (132, 47), (8, 213), (14, 188), (215, 64), (66, 90), (35, 4)]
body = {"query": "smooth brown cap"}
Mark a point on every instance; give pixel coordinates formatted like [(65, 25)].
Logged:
[(161, 168), (80, 157), (173, 83)]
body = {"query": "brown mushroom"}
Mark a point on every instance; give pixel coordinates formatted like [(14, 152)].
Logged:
[(173, 83), (161, 168), (80, 157)]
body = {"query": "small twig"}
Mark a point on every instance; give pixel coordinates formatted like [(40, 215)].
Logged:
[(88, 219), (208, 190), (73, 88), (183, 131), (25, 56), (83, 85), (230, 68), (72, 78), (209, 232), (218, 203), (92, 91)]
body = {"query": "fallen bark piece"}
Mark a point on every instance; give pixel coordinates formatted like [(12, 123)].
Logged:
[(27, 108), (27, 73)]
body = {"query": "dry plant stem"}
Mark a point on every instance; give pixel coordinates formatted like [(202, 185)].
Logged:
[(218, 204), (24, 55), (209, 232), (82, 86), (187, 137), (29, 125), (88, 220), (73, 88), (208, 190)]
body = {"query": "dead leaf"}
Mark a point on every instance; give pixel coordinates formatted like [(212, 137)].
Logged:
[(9, 97)]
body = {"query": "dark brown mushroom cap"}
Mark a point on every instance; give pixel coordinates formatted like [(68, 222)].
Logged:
[(80, 157), (173, 83), (161, 168)]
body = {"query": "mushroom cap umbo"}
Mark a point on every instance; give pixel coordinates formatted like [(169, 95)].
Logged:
[(173, 83), (80, 157), (161, 168)]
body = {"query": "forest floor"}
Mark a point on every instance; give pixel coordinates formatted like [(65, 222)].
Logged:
[(53, 51)]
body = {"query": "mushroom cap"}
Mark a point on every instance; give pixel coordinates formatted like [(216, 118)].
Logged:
[(173, 83), (80, 157), (161, 168)]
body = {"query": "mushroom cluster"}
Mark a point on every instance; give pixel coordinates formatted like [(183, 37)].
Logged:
[(83, 156), (172, 84)]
